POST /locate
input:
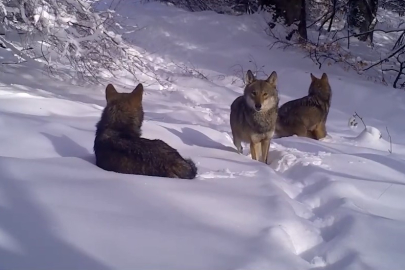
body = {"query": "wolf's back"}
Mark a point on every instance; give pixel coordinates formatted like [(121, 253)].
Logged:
[(134, 155)]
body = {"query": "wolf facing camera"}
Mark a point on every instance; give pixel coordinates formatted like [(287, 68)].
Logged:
[(254, 114)]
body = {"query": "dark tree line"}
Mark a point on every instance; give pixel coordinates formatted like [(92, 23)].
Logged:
[(361, 14), (339, 20)]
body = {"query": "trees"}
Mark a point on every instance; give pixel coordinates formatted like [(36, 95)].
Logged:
[(362, 18), (72, 32), (220, 6), (69, 31), (326, 29)]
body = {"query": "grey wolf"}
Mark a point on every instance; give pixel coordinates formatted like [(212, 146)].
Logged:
[(306, 116), (254, 114), (119, 147)]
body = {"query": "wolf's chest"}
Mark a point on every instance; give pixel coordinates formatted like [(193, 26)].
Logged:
[(261, 123)]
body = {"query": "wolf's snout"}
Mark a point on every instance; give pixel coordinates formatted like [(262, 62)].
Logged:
[(258, 106)]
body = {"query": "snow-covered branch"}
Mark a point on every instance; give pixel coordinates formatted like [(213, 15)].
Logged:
[(69, 32)]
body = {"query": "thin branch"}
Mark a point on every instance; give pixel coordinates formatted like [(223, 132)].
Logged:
[(389, 136), (385, 190), (388, 57), (368, 32), (357, 115)]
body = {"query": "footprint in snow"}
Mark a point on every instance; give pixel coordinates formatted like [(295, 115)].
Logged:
[(282, 160)]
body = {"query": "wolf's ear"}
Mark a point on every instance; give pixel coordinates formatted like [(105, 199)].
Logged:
[(272, 79), (137, 94), (324, 77), (250, 77), (313, 78), (110, 92)]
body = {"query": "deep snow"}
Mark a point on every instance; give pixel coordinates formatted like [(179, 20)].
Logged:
[(333, 204)]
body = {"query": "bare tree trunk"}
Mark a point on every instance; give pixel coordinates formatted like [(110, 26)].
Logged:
[(302, 26), (333, 15), (363, 17)]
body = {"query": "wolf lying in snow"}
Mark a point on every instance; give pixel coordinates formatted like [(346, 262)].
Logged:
[(118, 145)]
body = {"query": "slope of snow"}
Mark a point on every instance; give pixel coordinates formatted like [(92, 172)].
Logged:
[(333, 204)]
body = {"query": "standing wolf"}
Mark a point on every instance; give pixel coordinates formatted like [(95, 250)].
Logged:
[(118, 145), (253, 115), (306, 116)]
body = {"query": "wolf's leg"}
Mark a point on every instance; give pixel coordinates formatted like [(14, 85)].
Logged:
[(255, 150), (265, 150), (301, 131), (278, 132), (311, 134), (320, 131), (237, 142)]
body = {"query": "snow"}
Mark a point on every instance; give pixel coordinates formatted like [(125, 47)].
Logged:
[(333, 204)]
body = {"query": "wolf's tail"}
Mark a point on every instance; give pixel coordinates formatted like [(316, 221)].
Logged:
[(185, 169)]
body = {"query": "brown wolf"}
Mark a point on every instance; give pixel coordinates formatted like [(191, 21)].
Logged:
[(253, 115), (306, 116), (118, 145)]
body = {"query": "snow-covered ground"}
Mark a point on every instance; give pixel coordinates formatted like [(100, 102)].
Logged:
[(335, 204)]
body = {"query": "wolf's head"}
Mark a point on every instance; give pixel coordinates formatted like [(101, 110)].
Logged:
[(124, 111), (261, 95), (320, 88)]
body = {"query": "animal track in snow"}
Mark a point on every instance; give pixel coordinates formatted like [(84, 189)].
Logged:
[(318, 226), (282, 160), (322, 198)]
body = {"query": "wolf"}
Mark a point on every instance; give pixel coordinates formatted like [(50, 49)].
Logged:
[(119, 147), (254, 114), (306, 116)]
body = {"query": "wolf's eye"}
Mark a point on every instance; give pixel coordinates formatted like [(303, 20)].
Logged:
[(265, 94), (253, 93)]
